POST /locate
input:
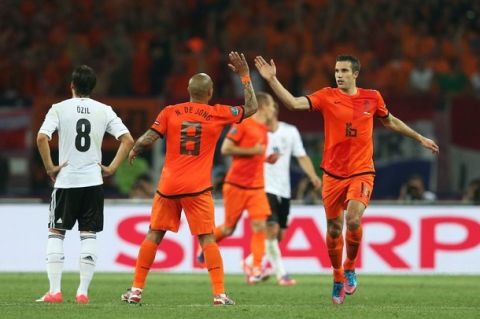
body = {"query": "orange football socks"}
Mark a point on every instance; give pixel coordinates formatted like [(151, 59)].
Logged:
[(214, 263), (257, 247), (335, 250), (354, 239), (146, 256)]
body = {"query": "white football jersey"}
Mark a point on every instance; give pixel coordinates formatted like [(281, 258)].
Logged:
[(285, 140), (81, 125)]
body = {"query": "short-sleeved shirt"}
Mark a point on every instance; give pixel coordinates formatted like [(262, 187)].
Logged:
[(81, 125), (191, 131), (348, 149), (247, 171), (287, 142)]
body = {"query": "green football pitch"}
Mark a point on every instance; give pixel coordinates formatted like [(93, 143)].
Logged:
[(188, 296)]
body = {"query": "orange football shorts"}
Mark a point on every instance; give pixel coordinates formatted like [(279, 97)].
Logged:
[(237, 199), (337, 192), (199, 211)]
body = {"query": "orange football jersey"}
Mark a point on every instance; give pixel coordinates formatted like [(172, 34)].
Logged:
[(247, 171), (191, 131), (348, 121)]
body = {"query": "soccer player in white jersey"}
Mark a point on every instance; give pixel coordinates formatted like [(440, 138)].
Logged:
[(284, 141), (81, 123)]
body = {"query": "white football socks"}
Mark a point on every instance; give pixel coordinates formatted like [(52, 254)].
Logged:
[(55, 258), (275, 257), (88, 259)]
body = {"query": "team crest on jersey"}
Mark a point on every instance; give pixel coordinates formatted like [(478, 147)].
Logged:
[(235, 111)]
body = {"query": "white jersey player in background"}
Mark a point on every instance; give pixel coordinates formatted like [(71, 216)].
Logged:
[(78, 192), (284, 141)]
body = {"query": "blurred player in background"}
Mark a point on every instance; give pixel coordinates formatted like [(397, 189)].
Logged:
[(348, 113), (284, 141), (244, 186), (78, 193), (191, 130)]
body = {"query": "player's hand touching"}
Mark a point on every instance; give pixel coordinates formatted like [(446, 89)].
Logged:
[(316, 181), (430, 144), (272, 158), (107, 170), (238, 64), (54, 170), (132, 155), (267, 70)]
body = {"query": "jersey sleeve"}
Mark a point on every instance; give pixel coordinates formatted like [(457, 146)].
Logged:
[(382, 110), (50, 124), (160, 124), (318, 100), (228, 114), (115, 126), (297, 149), (236, 133)]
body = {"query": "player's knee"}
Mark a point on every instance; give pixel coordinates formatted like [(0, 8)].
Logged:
[(227, 231), (334, 230), (353, 224)]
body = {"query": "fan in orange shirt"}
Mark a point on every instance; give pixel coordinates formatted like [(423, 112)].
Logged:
[(348, 113), (191, 130)]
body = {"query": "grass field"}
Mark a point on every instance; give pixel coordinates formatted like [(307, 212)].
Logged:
[(188, 296)]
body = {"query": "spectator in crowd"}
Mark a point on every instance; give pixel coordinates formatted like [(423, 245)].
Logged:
[(421, 77), (472, 193), (475, 81), (414, 191)]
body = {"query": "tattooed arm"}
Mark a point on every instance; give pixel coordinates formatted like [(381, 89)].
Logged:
[(143, 142), (239, 65)]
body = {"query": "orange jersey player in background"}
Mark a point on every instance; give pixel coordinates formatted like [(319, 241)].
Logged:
[(244, 186), (348, 113), (191, 131)]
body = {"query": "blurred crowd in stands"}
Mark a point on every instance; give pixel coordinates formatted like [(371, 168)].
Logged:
[(151, 47)]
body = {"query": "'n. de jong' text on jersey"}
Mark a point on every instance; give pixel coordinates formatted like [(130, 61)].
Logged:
[(191, 131)]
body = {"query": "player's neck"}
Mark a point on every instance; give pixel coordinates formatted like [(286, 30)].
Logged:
[(260, 118), (349, 91), (199, 101)]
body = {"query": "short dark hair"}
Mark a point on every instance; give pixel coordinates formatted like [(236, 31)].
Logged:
[(350, 58), (84, 80), (262, 99)]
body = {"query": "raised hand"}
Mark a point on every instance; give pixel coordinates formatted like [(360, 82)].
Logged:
[(238, 64), (430, 144), (266, 70)]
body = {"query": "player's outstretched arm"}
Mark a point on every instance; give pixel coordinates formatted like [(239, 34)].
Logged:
[(44, 150), (307, 166), (399, 126), (147, 139), (230, 148), (126, 143), (239, 65), (269, 72)]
